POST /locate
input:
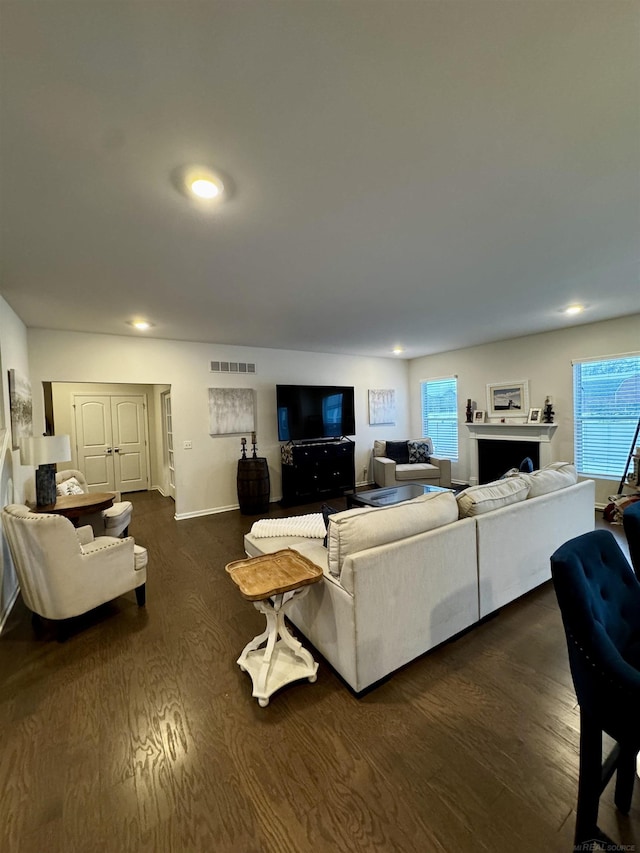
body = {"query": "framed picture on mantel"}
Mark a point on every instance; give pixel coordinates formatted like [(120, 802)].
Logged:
[(509, 399)]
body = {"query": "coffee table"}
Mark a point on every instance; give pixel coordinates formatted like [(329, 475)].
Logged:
[(392, 495)]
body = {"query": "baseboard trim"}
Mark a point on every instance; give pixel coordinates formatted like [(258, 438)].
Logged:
[(181, 516)]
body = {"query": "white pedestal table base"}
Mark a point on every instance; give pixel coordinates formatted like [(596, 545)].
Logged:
[(281, 661)]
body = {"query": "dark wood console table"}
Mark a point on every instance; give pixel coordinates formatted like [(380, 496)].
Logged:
[(315, 470)]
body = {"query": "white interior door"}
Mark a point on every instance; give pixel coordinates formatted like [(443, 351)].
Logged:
[(111, 441), (128, 425), (94, 442)]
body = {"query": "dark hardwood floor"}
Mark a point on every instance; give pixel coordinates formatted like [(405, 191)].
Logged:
[(139, 732)]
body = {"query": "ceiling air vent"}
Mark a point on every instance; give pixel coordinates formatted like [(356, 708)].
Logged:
[(232, 367)]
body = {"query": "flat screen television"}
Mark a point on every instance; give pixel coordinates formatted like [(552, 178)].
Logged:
[(314, 411)]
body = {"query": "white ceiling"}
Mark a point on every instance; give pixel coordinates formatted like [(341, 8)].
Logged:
[(432, 174)]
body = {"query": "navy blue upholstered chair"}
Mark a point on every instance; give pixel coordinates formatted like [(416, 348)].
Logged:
[(599, 599), (631, 523)]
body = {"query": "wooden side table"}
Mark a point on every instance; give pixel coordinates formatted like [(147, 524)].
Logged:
[(253, 485), (74, 507), (272, 582)]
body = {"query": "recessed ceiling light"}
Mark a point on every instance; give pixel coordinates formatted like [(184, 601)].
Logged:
[(574, 309), (204, 188), (203, 183), (141, 325), (397, 350)]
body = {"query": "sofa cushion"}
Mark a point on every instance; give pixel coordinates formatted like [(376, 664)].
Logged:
[(477, 500), (552, 477), (419, 451), (379, 448), (417, 471), (358, 529), (398, 451)]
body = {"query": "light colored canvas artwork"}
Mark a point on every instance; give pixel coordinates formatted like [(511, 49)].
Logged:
[(21, 407), (382, 406), (231, 410)]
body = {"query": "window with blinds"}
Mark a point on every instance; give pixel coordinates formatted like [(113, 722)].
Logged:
[(440, 415), (606, 406)]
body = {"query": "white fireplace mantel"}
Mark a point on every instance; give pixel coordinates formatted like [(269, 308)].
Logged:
[(541, 433)]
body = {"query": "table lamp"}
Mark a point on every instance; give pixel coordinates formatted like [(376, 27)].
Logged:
[(43, 451)]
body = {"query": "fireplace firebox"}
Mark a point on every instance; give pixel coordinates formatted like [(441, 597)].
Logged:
[(495, 458)]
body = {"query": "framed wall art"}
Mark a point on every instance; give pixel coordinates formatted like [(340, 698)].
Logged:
[(382, 406), (21, 407), (510, 399), (231, 410)]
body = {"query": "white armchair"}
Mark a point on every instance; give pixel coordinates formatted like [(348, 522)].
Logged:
[(64, 571), (396, 468), (113, 521)]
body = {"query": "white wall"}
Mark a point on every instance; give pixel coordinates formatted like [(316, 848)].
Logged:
[(545, 360), (206, 475), (13, 476)]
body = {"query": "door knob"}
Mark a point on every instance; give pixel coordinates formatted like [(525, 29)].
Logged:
[(116, 450), (108, 450)]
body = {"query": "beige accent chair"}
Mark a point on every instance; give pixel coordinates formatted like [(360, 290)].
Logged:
[(113, 521), (386, 472), (64, 571)]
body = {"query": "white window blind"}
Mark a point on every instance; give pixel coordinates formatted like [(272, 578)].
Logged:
[(440, 415), (606, 406)]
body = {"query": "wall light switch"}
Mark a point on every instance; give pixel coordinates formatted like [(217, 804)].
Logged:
[(187, 445)]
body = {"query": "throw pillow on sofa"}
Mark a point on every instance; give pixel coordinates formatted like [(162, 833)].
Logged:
[(557, 475), (418, 451), (398, 451), (477, 500), (366, 527)]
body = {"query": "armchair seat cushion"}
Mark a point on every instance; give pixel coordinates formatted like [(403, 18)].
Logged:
[(417, 471), (140, 557), (117, 518), (117, 510)]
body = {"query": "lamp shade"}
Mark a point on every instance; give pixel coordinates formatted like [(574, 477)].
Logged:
[(45, 449)]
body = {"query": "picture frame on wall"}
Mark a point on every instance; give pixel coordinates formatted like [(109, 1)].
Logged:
[(20, 407), (231, 411), (382, 406), (510, 399), (535, 416)]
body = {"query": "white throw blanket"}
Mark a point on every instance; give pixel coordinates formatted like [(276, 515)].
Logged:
[(312, 526)]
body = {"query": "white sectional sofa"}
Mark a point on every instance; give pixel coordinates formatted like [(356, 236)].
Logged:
[(399, 580)]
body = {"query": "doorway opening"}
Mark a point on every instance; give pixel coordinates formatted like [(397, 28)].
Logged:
[(117, 431)]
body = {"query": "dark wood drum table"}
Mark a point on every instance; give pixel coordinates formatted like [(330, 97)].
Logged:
[(253, 485), (272, 582), (74, 507)]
